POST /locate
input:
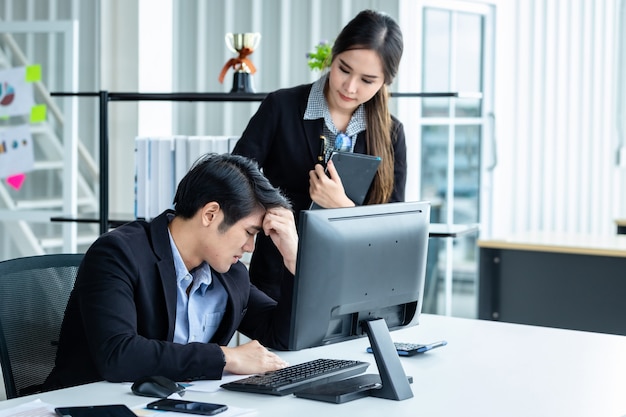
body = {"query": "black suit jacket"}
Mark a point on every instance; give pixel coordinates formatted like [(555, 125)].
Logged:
[(119, 322), (286, 146)]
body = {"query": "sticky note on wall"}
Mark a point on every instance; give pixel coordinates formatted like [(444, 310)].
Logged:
[(16, 151), (38, 113), (33, 73)]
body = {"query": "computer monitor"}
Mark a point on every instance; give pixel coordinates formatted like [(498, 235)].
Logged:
[(358, 263)]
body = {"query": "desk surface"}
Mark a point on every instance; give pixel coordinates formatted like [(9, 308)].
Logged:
[(580, 244), (487, 369)]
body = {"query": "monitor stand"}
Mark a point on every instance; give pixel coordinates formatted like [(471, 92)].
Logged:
[(392, 384)]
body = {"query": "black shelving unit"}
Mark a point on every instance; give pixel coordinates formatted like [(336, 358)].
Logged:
[(104, 97)]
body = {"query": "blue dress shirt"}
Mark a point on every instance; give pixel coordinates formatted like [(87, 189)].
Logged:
[(199, 314)]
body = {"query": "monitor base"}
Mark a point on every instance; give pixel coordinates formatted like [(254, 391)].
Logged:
[(349, 389), (391, 384)]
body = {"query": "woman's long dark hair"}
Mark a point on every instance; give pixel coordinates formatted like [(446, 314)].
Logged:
[(378, 32)]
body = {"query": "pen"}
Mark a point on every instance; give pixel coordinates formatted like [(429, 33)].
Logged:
[(426, 348), (321, 157)]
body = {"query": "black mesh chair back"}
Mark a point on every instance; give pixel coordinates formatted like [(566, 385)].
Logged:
[(33, 295)]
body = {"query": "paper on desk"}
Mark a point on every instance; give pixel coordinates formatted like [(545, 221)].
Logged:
[(36, 408), (211, 385)]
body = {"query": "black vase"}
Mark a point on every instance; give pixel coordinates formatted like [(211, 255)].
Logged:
[(242, 82)]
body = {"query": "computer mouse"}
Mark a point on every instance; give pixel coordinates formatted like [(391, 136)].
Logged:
[(156, 386)]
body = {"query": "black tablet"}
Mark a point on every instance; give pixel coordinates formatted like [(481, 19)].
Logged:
[(356, 171)]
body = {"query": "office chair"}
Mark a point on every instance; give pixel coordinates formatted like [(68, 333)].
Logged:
[(33, 295)]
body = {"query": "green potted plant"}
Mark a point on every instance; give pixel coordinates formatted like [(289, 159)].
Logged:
[(319, 58)]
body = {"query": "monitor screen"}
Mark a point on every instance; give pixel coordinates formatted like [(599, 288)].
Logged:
[(355, 264)]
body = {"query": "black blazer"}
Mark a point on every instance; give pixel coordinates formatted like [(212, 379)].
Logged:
[(286, 146), (119, 322)]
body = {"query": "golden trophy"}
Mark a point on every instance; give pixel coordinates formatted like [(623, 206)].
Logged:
[(242, 44)]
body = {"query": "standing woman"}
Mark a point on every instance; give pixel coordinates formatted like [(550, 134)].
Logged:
[(349, 106)]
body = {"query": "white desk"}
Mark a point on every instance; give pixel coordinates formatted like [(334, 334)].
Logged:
[(487, 369)]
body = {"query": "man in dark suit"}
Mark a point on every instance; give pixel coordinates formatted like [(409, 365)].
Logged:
[(165, 297)]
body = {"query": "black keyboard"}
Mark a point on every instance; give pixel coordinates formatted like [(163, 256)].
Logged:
[(296, 377)]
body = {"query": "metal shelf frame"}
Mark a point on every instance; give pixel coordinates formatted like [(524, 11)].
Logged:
[(105, 97)]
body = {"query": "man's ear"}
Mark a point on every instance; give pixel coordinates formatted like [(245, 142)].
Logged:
[(209, 213)]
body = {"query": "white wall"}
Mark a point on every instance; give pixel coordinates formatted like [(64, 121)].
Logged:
[(556, 76), (289, 29), (119, 73)]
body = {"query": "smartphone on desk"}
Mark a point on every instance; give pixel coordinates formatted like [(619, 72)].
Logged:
[(410, 349), (191, 407), (113, 410)]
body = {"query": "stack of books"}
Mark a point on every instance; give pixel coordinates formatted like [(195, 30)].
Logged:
[(160, 164)]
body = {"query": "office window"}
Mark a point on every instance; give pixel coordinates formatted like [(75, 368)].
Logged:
[(455, 41)]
